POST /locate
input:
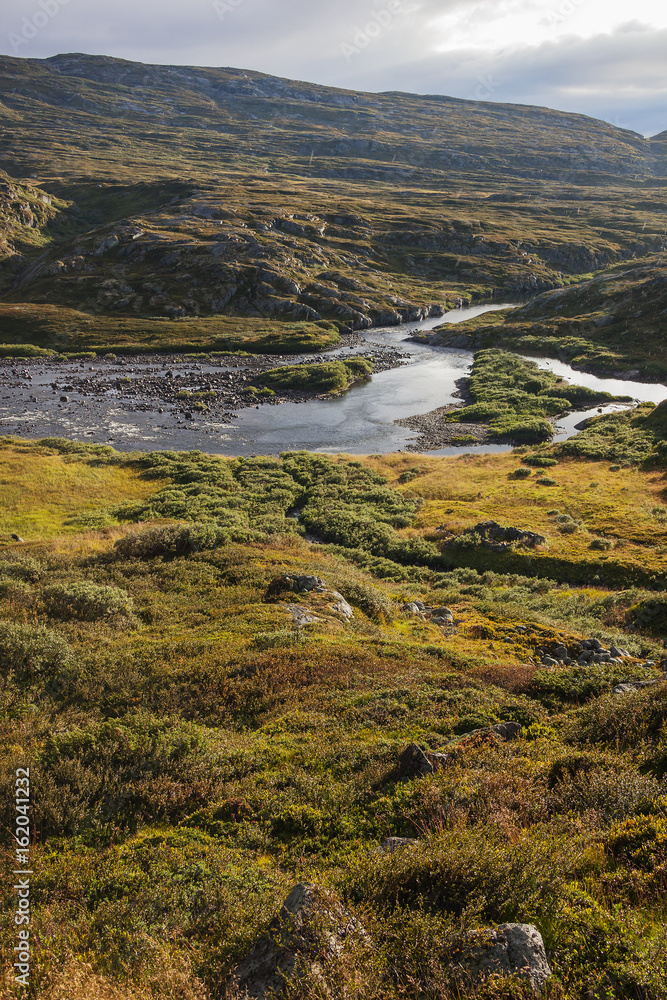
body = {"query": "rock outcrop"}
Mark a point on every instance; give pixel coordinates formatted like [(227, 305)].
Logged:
[(311, 931), (508, 950)]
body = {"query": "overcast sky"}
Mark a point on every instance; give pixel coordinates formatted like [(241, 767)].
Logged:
[(605, 58)]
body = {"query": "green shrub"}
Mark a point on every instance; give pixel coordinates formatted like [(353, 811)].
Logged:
[(601, 544), (621, 721), (331, 376), (540, 461), (21, 568), (32, 651), (169, 540), (520, 474), (579, 683), (86, 601)]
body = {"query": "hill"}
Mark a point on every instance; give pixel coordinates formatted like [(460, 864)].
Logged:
[(613, 323), (183, 192)]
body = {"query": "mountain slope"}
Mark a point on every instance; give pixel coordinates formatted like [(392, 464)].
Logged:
[(207, 113), (185, 192)]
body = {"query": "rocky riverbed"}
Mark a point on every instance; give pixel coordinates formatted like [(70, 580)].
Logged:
[(209, 387)]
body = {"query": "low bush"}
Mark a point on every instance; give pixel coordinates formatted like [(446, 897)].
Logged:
[(30, 651), (169, 540), (21, 568), (331, 376), (540, 461), (86, 601)]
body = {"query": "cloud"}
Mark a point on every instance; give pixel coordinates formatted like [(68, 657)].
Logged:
[(597, 57)]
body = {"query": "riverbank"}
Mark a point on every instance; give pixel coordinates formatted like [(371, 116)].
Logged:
[(506, 399), (215, 385)]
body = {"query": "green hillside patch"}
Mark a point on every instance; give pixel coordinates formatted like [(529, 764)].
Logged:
[(59, 328), (639, 436), (612, 323)]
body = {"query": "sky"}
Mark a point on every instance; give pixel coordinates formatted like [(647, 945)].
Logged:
[(604, 58)]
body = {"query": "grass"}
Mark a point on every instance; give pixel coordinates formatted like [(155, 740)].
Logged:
[(66, 330), (516, 398), (611, 324), (330, 377), (194, 754)]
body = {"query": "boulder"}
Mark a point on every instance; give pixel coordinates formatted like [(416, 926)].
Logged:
[(508, 950), (341, 607), (505, 730), (412, 763), (283, 584), (302, 616), (307, 583), (311, 930), (392, 844)]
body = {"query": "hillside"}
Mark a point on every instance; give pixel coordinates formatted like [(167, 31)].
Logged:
[(613, 323), (178, 193), (438, 699)]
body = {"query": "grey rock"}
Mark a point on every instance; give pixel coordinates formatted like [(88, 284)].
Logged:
[(392, 844), (308, 583), (443, 612), (549, 661), (560, 652), (309, 928), (413, 608), (413, 763), (301, 616), (510, 950), (341, 606)]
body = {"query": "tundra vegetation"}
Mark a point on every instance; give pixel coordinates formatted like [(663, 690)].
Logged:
[(515, 398), (194, 751), (216, 668)]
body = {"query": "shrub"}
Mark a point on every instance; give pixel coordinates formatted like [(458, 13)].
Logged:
[(623, 722), (86, 601), (21, 568), (520, 474), (540, 461), (31, 651), (170, 540), (331, 376), (601, 544)]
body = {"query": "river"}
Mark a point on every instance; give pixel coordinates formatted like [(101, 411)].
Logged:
[(359, 422)]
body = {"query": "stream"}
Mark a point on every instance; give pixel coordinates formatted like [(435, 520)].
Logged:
[(359, 422)]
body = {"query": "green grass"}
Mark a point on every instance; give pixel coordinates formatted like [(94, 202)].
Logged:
[(330, 377), (516, 398)]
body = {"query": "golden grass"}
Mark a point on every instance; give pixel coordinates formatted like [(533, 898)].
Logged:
[(459, 492), (40, 491)]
